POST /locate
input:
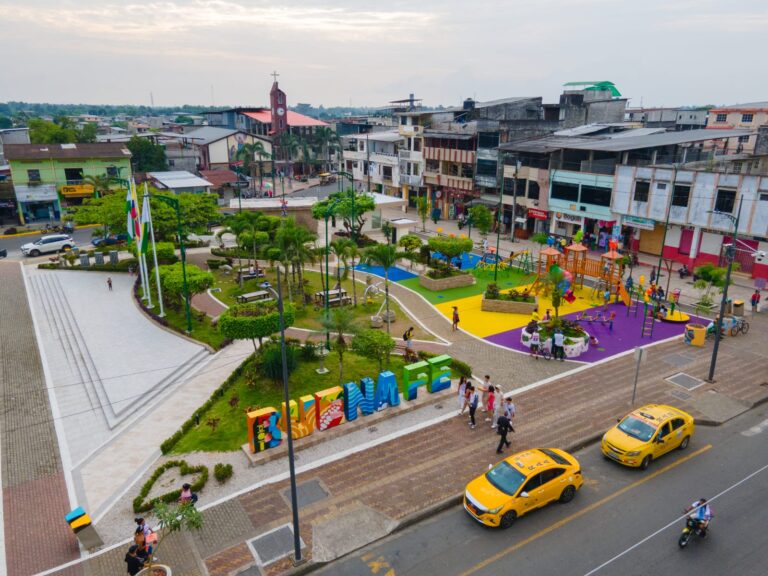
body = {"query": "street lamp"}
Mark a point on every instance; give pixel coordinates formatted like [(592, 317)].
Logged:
[(499, 220), (730, 254), (278, 295), (328, 213), (174, 203)]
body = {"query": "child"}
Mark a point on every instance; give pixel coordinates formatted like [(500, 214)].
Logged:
[(535, 343), (755, 301), (491, 403), (455, 319)]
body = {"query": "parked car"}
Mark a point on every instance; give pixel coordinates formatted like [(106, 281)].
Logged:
[(110, 240), (3, 253), (48, 244)]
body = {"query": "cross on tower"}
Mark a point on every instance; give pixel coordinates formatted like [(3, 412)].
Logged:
[(275, 75)]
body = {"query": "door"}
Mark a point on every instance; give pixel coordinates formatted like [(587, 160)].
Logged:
[(531, 487), (664, 441), (678, 430), (686, 239), (651, 240), (552, 483)]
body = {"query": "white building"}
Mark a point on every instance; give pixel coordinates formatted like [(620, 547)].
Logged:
[(374, 159)]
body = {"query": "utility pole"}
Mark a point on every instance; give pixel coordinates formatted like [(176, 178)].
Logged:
[(666, 226), (514, 198), (499, 221)]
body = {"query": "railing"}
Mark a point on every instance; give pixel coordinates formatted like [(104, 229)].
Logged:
[(404, 154), (410, 180), (487, 154), (384, 158)]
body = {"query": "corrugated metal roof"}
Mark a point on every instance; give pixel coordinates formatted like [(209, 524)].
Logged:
[(207, 134), (64, 151), (179, 179), (388, 136)]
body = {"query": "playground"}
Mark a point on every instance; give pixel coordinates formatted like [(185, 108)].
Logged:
[(616, 315)]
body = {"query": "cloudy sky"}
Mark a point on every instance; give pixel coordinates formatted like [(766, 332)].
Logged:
[(337, 52)]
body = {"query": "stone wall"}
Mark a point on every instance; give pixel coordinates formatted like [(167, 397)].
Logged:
[(446, 283)]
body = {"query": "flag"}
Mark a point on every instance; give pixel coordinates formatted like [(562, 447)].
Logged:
[(145, 225), (131, 214)]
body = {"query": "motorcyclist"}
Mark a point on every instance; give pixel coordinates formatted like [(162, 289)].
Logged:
[(701, 513), (684, 272)]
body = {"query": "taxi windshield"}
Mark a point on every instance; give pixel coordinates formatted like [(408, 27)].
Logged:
[(505, 478), (637, 428)]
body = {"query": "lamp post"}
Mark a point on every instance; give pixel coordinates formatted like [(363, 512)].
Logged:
[(278, 294), (499, 221), (328, 214), (174, 203), (514, 199), (730, 254)]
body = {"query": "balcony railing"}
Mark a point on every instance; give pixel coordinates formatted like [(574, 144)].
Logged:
[(384, 158), (404, 154), (410, 180)]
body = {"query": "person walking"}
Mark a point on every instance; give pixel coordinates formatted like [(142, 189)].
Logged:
[(498, 407), (558, 345), (490, 403), (535, 343), (485, 390), (474, 399), (455, 319), (135, 564), (509, 413), (109, 283), (462, 394), (755, 301), (503, 428)]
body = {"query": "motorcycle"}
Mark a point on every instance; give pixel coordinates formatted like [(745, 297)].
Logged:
[(692, 528), (684, 272)]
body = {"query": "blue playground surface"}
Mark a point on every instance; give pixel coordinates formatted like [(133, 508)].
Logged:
[(468, 260), (395, 274)]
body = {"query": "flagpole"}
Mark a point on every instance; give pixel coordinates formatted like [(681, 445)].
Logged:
[(142, 260), (154, 250)]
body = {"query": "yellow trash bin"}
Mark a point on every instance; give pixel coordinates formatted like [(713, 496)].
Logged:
[(738, 307), (695, 334)]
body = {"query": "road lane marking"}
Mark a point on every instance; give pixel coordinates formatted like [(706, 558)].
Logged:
[(675, 521), (756, 429), (580, 513)]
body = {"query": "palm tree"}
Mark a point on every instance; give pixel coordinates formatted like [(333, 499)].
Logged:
[(101, 184), (290, 146), (247, 153), (340, 249), (306, 155), (384, 255), (340, 321), (328, 140)]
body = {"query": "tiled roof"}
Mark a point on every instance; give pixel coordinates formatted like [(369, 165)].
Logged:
[(65, 151), (219, 177)]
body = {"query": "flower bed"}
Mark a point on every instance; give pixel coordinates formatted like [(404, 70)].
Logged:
[(457, 281), (508, 306), (576, 338)]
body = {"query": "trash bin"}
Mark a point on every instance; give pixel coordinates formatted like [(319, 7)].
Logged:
[(81, 525), (738, 307), (729, 306), (113, 259), (695, 334), (99, 256)]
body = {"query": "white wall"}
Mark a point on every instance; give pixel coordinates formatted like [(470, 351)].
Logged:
[(673, 236), (710, 243)]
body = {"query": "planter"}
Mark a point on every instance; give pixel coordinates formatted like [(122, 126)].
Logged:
[(156, 570), (508, 306), (458, 281), (573, 350)]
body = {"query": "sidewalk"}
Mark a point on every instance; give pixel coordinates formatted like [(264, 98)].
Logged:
[(430, 467)]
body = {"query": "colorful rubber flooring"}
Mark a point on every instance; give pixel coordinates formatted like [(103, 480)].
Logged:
[(504, 329)]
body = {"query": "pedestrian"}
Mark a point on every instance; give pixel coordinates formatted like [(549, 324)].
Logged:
[(187, 496), (462, 394), (474, 399), (144, 535), (485, 390), (491, 403), (135, 564), (535, 343), (408, 337), (755, 301), (455, 319), (485, 246), (558, 345), (109, 283), (498, 407), (503, 428), (509, 413)]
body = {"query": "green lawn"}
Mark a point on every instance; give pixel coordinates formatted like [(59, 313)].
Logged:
[(231, 432), (308, 317), (507, 279)]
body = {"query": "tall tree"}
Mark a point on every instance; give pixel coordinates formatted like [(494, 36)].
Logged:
[(102, 184), (328, 141), (340, 321), (146, 156), (348, 205)]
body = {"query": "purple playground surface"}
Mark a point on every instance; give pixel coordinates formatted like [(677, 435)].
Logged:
[(626, 333)]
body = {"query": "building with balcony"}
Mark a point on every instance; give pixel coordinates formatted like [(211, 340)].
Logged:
[(411, 128), (578, 174), (374, 161), (49, 176), (749, 116), (694, 201)]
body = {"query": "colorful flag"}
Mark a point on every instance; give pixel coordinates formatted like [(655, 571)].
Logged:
[(132, 214), (145, 225)]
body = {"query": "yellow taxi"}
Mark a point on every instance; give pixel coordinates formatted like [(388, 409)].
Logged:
[(647, 433), (521, 483)]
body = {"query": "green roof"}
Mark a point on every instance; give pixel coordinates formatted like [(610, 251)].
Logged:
[(597, 85)]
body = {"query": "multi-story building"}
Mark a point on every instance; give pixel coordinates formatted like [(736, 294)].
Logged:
[(750, 116), (44, 173), (693, 202), (12, 136), (683, 118), (374, 162), (578, 174), (411, 128)]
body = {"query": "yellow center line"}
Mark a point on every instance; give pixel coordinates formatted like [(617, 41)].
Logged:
[(582, 512)]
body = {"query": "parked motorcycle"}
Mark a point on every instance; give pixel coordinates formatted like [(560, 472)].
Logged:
[(684, 272), (692, 528)]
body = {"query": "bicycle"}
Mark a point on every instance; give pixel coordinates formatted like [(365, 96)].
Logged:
[(544, 352), (741, 326)]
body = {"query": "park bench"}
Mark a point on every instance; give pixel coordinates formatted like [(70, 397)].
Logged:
[(261, 295)]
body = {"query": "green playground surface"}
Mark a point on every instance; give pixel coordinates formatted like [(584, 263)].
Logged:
[(507, 279)]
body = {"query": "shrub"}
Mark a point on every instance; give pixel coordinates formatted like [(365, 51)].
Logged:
[(11, 231), (222, 472), (139, 504), (254, 320), (308, 351), (214, 264), (271, 361), (492, 291), (425, 254), (540, 238)]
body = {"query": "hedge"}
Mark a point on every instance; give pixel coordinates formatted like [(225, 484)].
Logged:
[(121, 266), (139, 505), (222, 472), (256, 320), (191, 422), (462, 368)]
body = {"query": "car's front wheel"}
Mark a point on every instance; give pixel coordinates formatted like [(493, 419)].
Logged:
[(34, 252), (508, 519), (66, 247), (568, 493), (646, 462)]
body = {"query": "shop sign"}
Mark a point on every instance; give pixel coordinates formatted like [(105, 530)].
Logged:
[(77, 191), (637, 222), (40, 193), (563, 217), (537, 214)]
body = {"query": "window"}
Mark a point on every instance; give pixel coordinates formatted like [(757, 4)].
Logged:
[(417, 144), (763, 197), (721, 117), (677, 423), (664, 430), (533, 190), (641, 191), (532, 484), (551, 474), (73, 175), (415, 168), (680, 195), (33, 175), (467, 170), (486, 167), (433, 166), (595, 195), (403, 121), (387, 173), (112, 171), (725, 200), (747, 118), (487, 140), (744, 138), (171, 162), (565, 191)]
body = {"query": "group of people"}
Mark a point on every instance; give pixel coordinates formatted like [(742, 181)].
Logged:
[(558, 338), (500, 412)]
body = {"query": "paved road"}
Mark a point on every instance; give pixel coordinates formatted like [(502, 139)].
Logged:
[(82, 238), (623, 522)]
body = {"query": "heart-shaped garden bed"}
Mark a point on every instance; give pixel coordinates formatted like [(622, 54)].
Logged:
[(142, 504)]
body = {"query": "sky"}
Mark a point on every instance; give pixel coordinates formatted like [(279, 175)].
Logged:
[(365, 53)]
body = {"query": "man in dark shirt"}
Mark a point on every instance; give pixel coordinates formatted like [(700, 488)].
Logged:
[(135, 563), (503, 426)]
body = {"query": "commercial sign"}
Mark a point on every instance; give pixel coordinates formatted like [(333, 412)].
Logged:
[(77, 191), (40, 193), (537, 214), (637, 222), (563, 217)]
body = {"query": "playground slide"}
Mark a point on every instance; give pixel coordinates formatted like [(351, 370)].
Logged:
[(624, 295)]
